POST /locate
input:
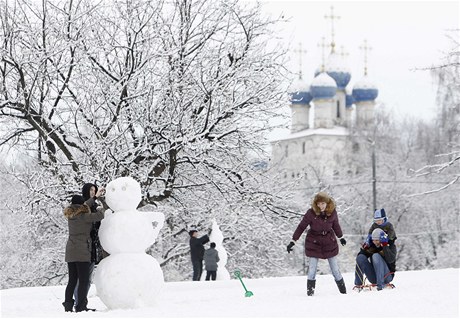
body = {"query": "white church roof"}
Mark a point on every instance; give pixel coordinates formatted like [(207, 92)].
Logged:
[(336, 131)]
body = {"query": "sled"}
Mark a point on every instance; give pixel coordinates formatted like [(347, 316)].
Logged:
[(371, 286), (360, 288)]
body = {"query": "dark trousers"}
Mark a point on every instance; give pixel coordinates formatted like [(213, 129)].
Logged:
[(211, 274), (197, 269), (75, 292), (78, 272)]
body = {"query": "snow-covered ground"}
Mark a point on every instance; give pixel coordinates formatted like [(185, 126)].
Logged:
[(426, 293)]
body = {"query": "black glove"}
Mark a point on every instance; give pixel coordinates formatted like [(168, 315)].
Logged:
[(343, 241), (289, 247)]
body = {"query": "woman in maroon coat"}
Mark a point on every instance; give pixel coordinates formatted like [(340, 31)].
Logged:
[(321, 241)]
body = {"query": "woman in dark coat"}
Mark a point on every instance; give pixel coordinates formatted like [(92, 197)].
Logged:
[(321, 242), (78, 251)]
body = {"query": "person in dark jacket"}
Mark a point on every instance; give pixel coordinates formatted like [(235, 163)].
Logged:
[(78, 251), (377, 262), (211, 258), (91, 195), (321, 242), (197, 253)]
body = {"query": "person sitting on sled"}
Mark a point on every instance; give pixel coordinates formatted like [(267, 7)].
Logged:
[(381, 221), (377, 262)]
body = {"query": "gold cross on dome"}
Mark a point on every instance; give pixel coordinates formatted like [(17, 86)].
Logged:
[(366, 48), (300, 52), (323, 46), (332, 17)]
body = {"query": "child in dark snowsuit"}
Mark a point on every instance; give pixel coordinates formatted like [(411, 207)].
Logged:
[(211, 258), (381, 221)]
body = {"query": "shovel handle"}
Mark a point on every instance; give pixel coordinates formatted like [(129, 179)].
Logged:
[(238, 275)]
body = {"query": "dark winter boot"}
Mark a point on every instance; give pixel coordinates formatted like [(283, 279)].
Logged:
[(311, 287), (341, 285), (82, 307), (68, 306)]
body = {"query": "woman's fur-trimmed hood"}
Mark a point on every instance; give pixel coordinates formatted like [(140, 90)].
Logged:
[(75, 210), (323, 197)]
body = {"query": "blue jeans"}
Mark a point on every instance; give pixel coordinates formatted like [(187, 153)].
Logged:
[(313, 265), (374, 270)]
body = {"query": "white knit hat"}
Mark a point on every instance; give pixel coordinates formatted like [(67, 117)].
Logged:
[(376, 234)]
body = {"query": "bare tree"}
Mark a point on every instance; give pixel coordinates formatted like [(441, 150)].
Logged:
[(176, 94), (445, 136), (168, 93)]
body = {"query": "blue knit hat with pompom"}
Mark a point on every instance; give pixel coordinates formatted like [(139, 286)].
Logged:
[(380, 214)]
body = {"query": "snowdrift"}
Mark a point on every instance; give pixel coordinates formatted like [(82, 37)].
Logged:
[(426, 293)]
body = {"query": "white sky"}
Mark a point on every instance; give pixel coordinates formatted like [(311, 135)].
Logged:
[(404, 36)]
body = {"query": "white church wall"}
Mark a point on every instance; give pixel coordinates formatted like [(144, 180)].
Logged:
[(365, 113), (323, 113), (300, 117), (312, 152)]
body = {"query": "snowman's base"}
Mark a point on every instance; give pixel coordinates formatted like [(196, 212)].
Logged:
[(128, 281)]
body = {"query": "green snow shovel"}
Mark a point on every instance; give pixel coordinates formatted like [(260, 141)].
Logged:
[(238, 275)]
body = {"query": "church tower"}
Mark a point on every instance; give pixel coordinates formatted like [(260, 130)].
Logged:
[(323, 89), (300, 98), (364, 95)]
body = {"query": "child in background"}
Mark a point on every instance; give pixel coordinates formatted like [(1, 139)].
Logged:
[(211, 258), (380, 221)]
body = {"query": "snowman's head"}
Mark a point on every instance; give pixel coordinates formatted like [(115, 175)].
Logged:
[(123, 194)]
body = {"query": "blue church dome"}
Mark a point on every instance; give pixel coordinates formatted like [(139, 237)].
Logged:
[(338, 70), (364, 90), (323, 87), (299, 92)]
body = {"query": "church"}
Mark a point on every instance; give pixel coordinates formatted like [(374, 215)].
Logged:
[(323, 113)]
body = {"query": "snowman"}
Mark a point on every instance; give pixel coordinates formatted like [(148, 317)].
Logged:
[(218, 238), (128, 278)]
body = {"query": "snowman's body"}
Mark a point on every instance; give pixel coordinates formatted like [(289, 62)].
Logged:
[(218, 238), (125, 234)]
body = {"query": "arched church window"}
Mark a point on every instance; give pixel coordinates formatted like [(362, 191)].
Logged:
[(286, 151), (338, 109), (303, 147)]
